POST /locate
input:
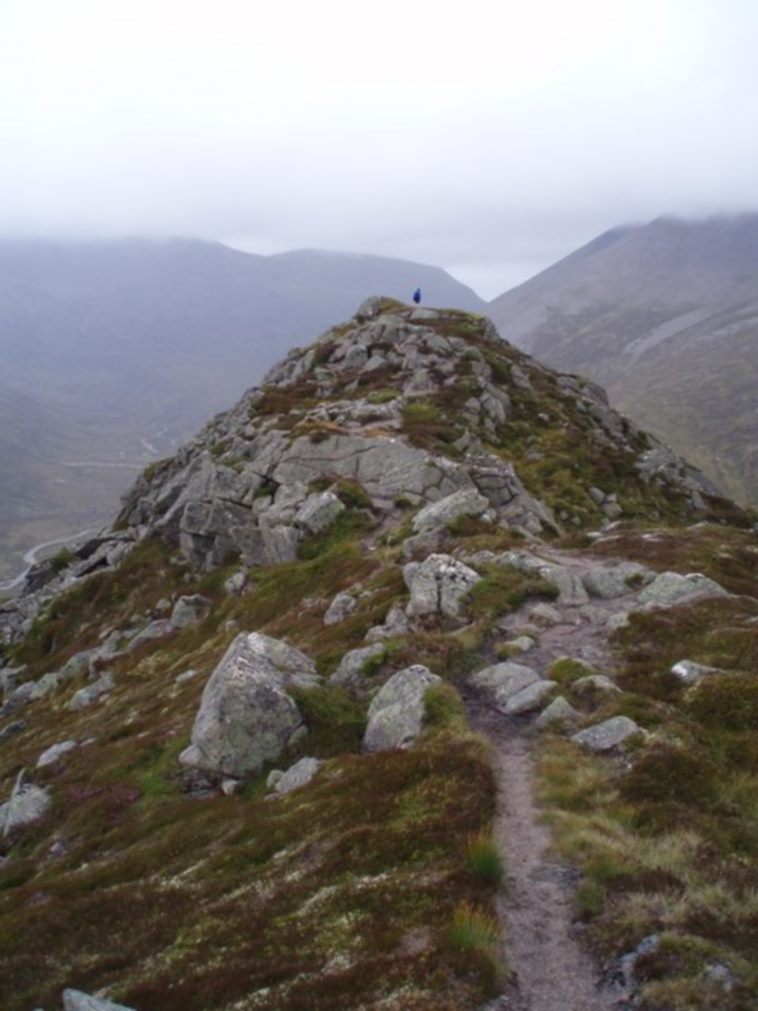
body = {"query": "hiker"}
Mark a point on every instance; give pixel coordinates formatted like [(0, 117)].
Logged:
[(417, 295)]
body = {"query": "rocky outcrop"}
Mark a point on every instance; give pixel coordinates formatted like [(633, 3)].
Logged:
[(245, 485), (461, 503), (246, 715), (437, 586), (396, 713)]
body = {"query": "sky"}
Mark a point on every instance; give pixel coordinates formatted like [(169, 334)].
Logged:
[(490, 138)]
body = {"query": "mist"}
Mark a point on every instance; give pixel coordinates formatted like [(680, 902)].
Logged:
[(487, 140)]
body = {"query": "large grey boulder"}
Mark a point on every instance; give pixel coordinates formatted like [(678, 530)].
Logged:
[(608, 735), (616, 580), (530, 698), (437, 585), (246, 715), (467, 502), (396, 713), (501, 681), (671, 588), (75, 1000), (27, 804)]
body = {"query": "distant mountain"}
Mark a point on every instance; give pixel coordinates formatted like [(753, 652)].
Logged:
[(665, 315), (113, 352)]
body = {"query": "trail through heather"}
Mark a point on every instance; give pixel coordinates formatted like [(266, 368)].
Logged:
[(550, 969)]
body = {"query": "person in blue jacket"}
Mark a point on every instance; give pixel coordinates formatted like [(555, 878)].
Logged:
[(417, 295)]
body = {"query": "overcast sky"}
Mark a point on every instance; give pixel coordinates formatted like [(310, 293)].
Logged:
[(488, 137)]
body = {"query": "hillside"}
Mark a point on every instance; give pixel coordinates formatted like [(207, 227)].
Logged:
[(114, 352), (666, 317), (417, 671)]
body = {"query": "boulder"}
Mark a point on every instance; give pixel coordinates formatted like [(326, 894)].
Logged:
[(608, 735), (396, 713), (437, 586), (501, 681), (91, 693), (75, 1000), (51, 755), (467, 502), (297, 775), (318, 512), (395, 625), (689, 672), (187, 610), (559, 711), (353, 663), (521, 644), (27, 804), (236, 583), (544, 614), (154, 630), (246, 715), (341, 607), (533, 696), (670, 588), (616, 580)]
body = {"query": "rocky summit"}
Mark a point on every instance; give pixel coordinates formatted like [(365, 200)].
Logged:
[(290, 732)]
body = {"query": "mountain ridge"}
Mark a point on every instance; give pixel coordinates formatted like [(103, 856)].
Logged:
[(290, 707), (665, 316)]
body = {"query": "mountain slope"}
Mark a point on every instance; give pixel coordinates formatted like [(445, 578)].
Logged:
[(257, 686), (666, 317), (124, 348)]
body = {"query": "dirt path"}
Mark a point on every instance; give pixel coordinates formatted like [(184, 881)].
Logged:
[(550, 970)]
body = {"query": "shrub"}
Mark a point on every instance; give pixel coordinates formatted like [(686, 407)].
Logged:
[(444, 708), (477, 932), (483, 859), (668, 773), (726, 700), (504, 589), (566, 670)]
